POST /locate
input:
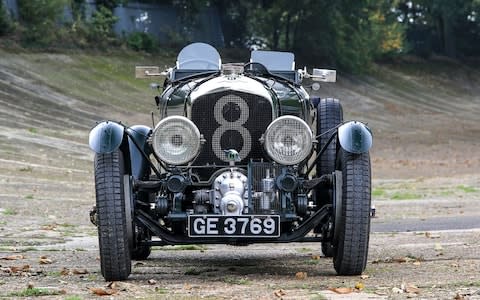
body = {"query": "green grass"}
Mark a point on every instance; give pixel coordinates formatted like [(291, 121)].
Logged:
[(9, 212), (238, 281), (29, 197), (467, 189), (27, 249), (312, 262), (36, 292), (304, 250), (378, 192), (193, 271), (32, 130), (73, 298), (405, 196), (54, 274), (26, 169), (92, 277), (446, 193)]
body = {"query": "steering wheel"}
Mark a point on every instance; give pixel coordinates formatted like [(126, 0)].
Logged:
[(255, 68)]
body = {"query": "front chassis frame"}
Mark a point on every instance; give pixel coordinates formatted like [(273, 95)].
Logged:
[(296, 235)]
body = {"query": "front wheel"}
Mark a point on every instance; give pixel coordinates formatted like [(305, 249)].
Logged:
[(113, 233), (352, 210)]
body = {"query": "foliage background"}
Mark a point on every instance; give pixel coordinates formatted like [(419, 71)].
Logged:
[(346, 34)]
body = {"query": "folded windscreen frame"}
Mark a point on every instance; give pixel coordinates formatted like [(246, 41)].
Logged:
[(274, 60), (199, 56)]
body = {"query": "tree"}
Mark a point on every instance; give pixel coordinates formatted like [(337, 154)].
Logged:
[(5, 22), (449, 27), (39, 19), (344, 33)]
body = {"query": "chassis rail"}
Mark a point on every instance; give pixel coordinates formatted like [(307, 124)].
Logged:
[(296, 235)]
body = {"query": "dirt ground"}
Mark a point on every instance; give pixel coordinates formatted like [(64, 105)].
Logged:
[(425, 165)]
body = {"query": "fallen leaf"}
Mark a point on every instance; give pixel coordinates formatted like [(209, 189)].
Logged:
[(102, 291), (112, 285), (45, 261), (43, 257), (416, 263), (13, 257), (315, 257), (24, 268), (30, 285), (279, 293), (119, 286), (364, 276), (64, 271), (152, 281), (400, 259), (412, 289), (50, 227), (301, 275), (459, 297), (359, 286), (80, 271), (341, 290)]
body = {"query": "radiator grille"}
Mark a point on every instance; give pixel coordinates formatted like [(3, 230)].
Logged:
[(231, 120)]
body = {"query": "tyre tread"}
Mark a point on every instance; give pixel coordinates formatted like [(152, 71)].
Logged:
[(352, 243), (112, 234)]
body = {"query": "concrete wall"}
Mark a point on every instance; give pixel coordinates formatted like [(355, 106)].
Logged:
[(11, 6), (161, 21)]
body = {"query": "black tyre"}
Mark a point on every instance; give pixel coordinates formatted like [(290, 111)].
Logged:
[(113, 233), (141, 252), (352, 224), (327, 249), (329, 115)]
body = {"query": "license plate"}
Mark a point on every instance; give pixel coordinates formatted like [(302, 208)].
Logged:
[(233, 226)]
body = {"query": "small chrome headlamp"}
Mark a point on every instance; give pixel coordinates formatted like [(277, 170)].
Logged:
[(176, 140), (288, 140)]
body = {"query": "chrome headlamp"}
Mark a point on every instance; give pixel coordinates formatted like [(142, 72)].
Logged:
[(288, 140), (176, 140)]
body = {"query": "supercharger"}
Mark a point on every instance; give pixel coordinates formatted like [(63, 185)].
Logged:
[(230, 193)]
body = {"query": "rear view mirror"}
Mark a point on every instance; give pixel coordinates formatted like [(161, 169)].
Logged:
[(324, 75), (147, 72)]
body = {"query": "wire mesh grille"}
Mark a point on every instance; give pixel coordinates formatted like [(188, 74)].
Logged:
[(231, 120)]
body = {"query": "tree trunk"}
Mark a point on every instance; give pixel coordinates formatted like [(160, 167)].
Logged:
[(287, 31), (449, 42)]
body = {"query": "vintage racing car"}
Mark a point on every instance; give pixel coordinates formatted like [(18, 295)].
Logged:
[(241, 154)]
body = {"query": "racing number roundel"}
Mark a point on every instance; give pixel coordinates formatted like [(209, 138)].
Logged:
[(231, 112)]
